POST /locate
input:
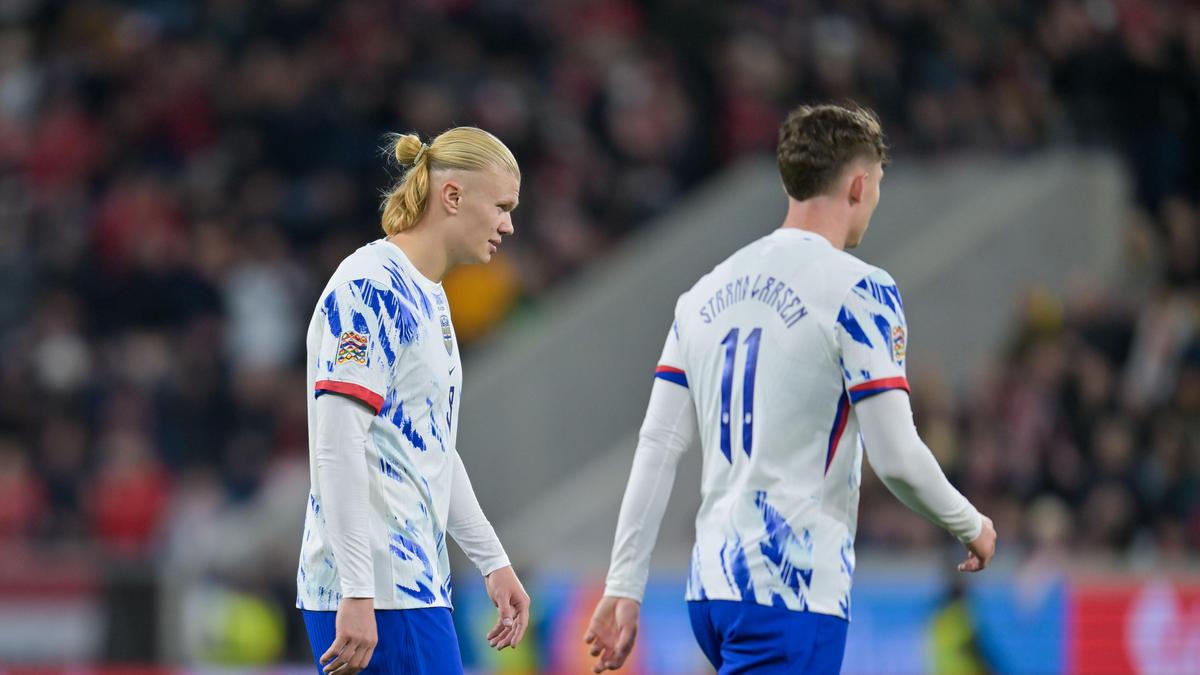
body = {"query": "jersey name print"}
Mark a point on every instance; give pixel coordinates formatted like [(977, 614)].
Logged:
[(774, 346), (381, 333)]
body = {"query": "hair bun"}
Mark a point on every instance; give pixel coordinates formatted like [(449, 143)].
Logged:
[(408, 148)]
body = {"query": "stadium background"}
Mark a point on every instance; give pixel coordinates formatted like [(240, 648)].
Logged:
[(179, 178)]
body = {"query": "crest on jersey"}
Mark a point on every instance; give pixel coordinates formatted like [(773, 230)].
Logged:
[(447, 336), (898, 345), (352, 347)]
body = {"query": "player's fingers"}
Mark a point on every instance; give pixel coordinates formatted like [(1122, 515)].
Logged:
[(364, 658), (519, 630), (601, 663), (503, 639), (508, 614), (590, 636), (495, 631), (344, 663), (620, 651), (625, 642), (518, 616), (333, 650), (971, 564), (339, 664)]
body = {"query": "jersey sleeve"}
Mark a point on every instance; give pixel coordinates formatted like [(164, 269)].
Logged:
[(872, 336), (359, 344), (670, 364)]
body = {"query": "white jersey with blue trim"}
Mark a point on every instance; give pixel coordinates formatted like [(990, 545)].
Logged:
[(381, 333), (774, 345)]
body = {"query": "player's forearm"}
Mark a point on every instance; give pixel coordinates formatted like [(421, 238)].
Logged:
[(469, 527), (666, 433), (907, 467), (340, 452)]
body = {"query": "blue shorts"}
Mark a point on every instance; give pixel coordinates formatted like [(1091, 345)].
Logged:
[(411, 641), (744, 637)]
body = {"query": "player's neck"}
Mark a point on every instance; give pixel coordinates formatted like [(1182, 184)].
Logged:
[(816, 216), (425, 251)]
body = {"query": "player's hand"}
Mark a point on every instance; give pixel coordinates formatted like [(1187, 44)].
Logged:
[(510, 598), (354, 637), (980, 549), (613, 631)]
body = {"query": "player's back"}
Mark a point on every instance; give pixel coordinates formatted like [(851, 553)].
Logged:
[(759, 345)]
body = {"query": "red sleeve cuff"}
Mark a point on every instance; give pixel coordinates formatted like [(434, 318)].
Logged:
[(356, 391), (868, 389)]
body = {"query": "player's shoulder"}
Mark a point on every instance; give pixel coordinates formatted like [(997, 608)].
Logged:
[(368, 265), (877, 289), (369, 262)]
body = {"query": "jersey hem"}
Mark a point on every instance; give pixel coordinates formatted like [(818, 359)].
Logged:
[(753, 601), (324, 607)]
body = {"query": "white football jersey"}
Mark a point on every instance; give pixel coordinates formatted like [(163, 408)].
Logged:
[(774, 346), (381, 333)]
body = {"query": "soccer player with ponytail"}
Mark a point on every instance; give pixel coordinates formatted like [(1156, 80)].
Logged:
[(385, 391)]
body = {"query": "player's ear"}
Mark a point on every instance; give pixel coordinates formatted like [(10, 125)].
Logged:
[(858, 186), (451, 196)]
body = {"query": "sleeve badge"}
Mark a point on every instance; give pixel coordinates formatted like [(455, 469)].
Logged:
[(898, 345), (352, 347)]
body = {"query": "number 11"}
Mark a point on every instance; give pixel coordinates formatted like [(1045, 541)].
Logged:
[(731, 345)]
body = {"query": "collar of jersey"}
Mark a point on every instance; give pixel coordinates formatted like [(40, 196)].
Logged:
[(805, 235), (399, 253)]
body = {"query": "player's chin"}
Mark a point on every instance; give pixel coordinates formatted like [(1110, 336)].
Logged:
[(488, 252)]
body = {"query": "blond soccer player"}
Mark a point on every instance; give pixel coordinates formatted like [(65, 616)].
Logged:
[(385, 382)]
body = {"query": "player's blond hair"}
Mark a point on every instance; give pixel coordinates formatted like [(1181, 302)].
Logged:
[(465, 148)]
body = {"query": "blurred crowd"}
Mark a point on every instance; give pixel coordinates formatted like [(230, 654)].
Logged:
[(177, 180)]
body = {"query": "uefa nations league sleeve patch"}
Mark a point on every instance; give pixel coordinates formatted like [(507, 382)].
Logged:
[(352, 348)]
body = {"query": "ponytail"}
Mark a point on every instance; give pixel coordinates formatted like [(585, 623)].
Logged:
[(465, 148)]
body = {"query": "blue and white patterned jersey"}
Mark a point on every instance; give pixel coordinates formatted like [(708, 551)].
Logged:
[(775, 345), (381, 333)]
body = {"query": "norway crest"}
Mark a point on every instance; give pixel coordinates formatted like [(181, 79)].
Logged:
[(447, 336)]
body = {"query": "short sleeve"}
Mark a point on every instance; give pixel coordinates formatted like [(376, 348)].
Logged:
[(670, 364), (872, 335), (361, 337)]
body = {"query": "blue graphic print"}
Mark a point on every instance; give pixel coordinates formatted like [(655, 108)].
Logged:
[(789, 555), (853, 329), (871, 331), (695, 583), (406, 549), (847, 569)]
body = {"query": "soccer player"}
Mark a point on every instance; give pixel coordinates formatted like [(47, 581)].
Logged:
[(783, 355), (385, 379)]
